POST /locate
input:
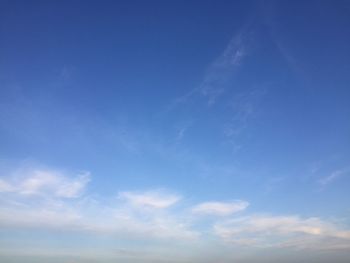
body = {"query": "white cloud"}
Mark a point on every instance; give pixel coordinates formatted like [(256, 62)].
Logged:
[(152, 199), (45, 182), (42, 199), (281, 231), (153, 225), (332, 177), (120, 221), (220, 208)]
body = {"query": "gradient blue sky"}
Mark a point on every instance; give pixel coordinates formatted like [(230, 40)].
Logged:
[(174, 131)]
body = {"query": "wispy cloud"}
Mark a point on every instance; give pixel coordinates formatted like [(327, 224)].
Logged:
[(220, 72), (332, 177), (278, 231), (154, 199), (273, 183), (67, 72), (223, 68), (181, 130), (220, 208), (42, 182), (219, 79), (244, 108)]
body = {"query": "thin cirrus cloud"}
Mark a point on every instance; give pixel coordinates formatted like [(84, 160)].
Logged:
[(332, 177), (219, 73), (223, 68), (220, 208)]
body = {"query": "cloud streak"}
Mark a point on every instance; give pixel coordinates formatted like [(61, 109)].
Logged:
[(220, 208), (153, 199), (222, 69), (282, 231), (217, 77), (332, 177), (43, 182)]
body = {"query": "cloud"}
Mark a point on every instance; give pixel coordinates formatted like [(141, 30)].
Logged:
[(153, 199), (332, 177), (181, 129), (43, 199), (48, 199), (120, 221), (43, 182), (148, 224), (222, 69), (220, 208), (5, 186), (244, 108), (217, 77), (282, 231)]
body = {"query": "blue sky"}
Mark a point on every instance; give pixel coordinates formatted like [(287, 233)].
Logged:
[(174, 131)]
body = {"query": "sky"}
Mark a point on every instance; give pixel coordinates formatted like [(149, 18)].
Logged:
[(174, 131)]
